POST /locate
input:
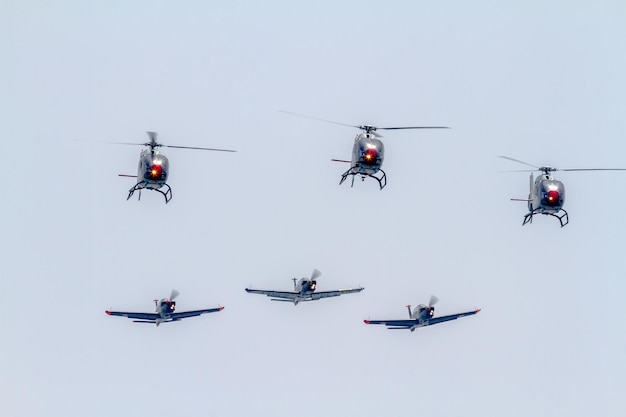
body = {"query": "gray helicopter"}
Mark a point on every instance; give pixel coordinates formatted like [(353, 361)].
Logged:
[(547, 195), (153, 167), (368, 151)]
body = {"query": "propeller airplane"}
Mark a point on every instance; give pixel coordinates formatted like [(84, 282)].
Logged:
[(153, 167), (304, 290), (547, 195), (368, 151), (164, 312), (422, 315)]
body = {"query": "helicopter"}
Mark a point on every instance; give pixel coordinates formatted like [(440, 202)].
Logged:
[(368, 151), (153, 167), (547, 195)]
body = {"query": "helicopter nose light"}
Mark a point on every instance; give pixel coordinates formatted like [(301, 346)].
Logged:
[(370, 156), (156, 171), (553, 197)]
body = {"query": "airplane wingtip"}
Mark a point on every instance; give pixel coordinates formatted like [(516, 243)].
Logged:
[(108, 312), (366, 321), (221, 308), (478, 310)]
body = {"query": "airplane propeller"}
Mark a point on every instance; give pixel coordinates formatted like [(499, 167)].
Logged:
[(174, 294), (315, 274), (433, 300)]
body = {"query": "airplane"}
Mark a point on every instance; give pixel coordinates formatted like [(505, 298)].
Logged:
[(547, 195), (368, 151), (164, 312), (422, 315), (304, 290), (153, 167)]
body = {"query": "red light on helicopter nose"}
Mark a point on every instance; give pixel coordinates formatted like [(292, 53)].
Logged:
[(553, 197), (156, 171), (370, 156)]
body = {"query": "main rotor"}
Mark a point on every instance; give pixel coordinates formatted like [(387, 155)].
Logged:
[(546, 169), (366, 128), (153, 144)]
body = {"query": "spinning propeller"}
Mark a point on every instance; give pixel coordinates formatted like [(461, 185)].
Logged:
[(365, 128), (174, 294), (433, 300)]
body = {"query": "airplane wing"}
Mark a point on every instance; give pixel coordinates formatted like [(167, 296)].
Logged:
[(409, 324), (194, 313), (336, 293), (395, 324), (140, 316), (442, 319), (287, 295)]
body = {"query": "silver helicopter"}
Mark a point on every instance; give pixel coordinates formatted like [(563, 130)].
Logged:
[(153, 167), (368, 151), (547, 195)]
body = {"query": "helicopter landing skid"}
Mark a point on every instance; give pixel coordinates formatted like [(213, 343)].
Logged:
[(141, 185), (382, 181), (561, 215)]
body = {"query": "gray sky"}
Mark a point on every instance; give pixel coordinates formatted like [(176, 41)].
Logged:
[(539, 82)]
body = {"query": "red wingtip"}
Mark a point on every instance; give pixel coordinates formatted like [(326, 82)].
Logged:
[(108, 312), (366, 321), (478, 310), (221, 308)]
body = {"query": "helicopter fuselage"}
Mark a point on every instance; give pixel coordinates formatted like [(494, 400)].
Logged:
[(368, 154), (153, 169), (547, 195)]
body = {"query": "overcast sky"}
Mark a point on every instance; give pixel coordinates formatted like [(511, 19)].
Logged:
[(538, 81)]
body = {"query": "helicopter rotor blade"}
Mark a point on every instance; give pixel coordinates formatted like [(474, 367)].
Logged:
[(202, 149), (316, 273), (413, 127), (174, 294), (126, 143), (433, 300), (152, 136), (521, 162), (318, 119), (591, 169)]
